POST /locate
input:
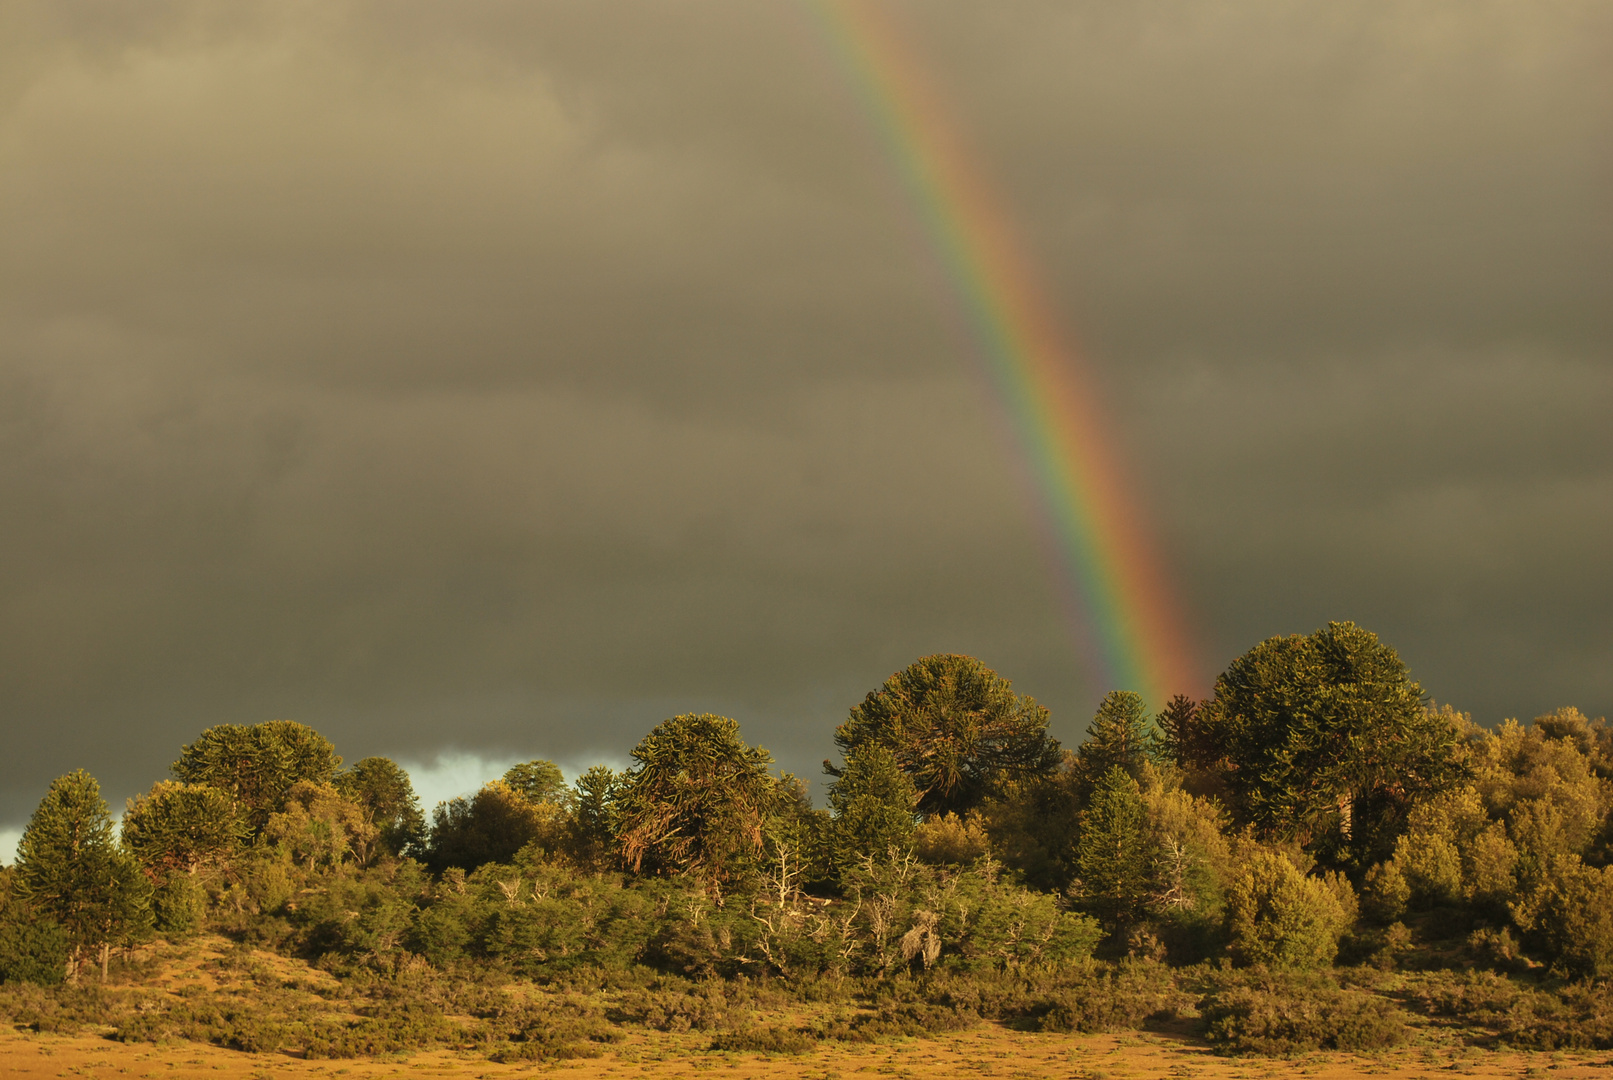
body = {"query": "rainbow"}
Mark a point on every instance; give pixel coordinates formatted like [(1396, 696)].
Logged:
[(1117, 598)]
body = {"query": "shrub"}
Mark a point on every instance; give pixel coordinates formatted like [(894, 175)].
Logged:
[(1119, 1000), (1577, 1017), (1577, 923), (1288, 1013), (545, 1030), (775, 1039), (33, 948), (1282, 919)]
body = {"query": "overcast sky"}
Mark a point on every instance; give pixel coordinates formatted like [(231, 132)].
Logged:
[(495, 380)]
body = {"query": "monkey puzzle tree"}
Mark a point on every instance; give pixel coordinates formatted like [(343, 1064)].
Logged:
[(697, 801), (258, 764), (182, 828), (591, 829), (872, 802), (1112, 855), (71, 868), (956, 728), (1118, 737), (1324, 737)]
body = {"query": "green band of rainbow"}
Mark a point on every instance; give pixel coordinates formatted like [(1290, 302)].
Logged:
[(1122, 597)]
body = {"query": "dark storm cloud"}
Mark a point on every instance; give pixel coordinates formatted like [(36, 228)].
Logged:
[(504, 378)]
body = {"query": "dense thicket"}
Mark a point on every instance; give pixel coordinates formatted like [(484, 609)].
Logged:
[(1314, 812)]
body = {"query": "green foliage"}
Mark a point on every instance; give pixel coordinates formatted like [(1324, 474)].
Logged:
[(697, 800), (71, 869), (1119, 737), (592, 827), (33, 949), (1577, 922), (383, 790), (1578, 1016), (1178, 736), (1280, 918), (872, 801), (490, 826), (319, 828), (1189, 866), (178, 904), (1111, 857), (1120, 999), (772, 1039), (956, 728), (258, 764), (180, 828), (538, 781), (1385, 893), (1325, 738), (1282, 1014)]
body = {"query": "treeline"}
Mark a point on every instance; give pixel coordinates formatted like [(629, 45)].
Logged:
[(1315, 810)]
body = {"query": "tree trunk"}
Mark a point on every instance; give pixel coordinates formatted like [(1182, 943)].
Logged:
[(106, 956)]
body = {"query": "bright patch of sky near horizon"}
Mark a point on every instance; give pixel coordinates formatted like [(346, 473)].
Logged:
[(502, 379)]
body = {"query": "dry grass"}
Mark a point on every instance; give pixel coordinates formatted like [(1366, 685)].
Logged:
[(985, 1051)]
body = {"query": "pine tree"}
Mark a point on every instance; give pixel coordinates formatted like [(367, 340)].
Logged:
[(70, 867), (873, 803), (1118, 737), (1111, 856)]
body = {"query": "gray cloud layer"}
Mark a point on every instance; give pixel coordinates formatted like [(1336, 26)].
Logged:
[(506, 377)]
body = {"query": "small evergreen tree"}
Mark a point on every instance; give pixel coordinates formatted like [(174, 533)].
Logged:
[(1178, 736), (32, 947), (591, 829), (872, 802), (70, 868), (1112, 857), (1118, 737)]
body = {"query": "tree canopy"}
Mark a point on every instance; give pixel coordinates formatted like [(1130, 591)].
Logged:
[(386, 795), (258, 764), (181, 828), (697, 800), (955, 727), (1325, 737)]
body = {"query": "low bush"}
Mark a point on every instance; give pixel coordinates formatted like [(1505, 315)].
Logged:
[(545, 1030), (1272, 1013), (1118, 1000), (775, 1039), (1576, 1017), (1579, 1017)]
